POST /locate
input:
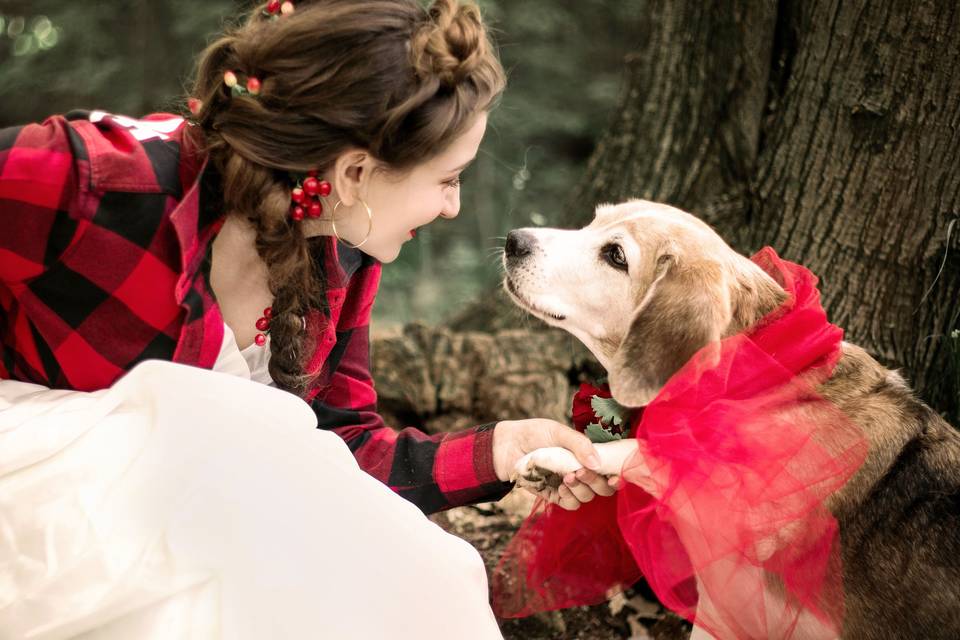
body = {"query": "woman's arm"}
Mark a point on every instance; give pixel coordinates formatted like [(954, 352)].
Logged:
[(41, 173), (434, 472), (445, 470), (438, 471), (40, 177)]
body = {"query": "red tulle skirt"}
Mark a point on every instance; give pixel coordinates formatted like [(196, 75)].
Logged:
[(739, 455)]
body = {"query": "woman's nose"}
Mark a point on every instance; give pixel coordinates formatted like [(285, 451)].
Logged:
[(451, 204)]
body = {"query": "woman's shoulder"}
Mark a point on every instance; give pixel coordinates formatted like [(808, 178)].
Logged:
[(81, 182), (71, 160), (127, 154)]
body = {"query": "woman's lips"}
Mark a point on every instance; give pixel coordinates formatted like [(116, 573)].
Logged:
[(413, 233)]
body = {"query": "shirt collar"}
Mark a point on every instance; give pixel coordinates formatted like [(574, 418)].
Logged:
[(199, 215)]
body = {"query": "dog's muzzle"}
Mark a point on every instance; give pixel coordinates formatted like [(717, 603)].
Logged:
[(519, 245)]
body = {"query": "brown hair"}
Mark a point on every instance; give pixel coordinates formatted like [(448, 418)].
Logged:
[(388, 76)]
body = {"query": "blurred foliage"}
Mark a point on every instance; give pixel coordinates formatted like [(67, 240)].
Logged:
[(564, 60), (124, 56)]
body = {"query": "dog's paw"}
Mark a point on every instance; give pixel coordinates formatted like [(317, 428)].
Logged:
[(544, 468)]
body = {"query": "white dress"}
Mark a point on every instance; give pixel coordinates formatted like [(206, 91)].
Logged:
[(186, 503)]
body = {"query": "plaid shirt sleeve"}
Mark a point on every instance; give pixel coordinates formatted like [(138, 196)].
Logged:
[(435, 472), (91, 257), (39, 188), (42, 170)]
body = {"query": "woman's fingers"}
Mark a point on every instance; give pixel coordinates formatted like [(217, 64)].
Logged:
[(582, 492), (568, 500), (579, 487), (561, 496), (597, 483), (571, 496)]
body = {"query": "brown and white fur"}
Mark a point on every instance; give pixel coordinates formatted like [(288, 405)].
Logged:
[(644, 286)]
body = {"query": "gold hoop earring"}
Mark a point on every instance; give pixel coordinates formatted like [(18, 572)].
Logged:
[(333, 216)]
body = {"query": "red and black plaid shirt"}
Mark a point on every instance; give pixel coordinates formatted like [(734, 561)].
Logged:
[(105, 230)]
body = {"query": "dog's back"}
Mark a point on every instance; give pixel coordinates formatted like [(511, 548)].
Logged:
[(899, 516)]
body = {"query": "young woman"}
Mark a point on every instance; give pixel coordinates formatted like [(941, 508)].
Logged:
[(183, 299)]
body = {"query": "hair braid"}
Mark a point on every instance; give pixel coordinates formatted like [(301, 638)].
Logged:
[(253, 191), (387, 76)]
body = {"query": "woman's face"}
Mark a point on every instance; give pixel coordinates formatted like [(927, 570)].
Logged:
[(402, 204)]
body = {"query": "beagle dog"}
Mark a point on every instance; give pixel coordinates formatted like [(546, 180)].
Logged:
[(645, 286)]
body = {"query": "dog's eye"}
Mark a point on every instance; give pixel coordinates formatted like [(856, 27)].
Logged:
[(613, 254)]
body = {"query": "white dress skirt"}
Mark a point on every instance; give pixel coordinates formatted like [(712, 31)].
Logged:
[(187, 503)]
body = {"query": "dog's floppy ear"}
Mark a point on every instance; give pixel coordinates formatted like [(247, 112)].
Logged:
[(683, 309)]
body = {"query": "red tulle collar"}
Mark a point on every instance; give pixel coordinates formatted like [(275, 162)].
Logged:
[(740, 454)]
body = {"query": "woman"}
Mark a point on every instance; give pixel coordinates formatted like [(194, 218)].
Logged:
[(245, 242)]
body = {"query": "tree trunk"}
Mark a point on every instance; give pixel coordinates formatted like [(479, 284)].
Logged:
[(687, 129), (829, 130)]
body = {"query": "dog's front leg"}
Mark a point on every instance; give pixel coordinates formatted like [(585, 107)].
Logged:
[(547, 466)]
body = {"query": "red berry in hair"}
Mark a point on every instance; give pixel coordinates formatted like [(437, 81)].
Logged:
[(311, 186), (297, 195), (315, 210), (263, 324), (297, 213), (253, 86), (230, 79), (268, 313), (286, 8), (260, 339), (273, 6), (194, 105), (325, 188)]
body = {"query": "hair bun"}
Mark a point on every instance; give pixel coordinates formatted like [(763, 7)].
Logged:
[(450, 45)]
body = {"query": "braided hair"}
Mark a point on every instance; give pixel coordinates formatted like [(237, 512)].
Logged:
[(388, 76)]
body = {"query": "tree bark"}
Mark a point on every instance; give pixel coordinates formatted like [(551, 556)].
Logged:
[(687, 129), (829, 130), (866, 190)]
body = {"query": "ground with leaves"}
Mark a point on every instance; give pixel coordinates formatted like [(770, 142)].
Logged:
[(634, 615)]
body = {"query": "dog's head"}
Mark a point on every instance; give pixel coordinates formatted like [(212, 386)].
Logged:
[(644, 286)]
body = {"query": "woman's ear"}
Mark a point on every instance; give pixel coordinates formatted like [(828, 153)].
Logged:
[(351, 170), (679, 314)]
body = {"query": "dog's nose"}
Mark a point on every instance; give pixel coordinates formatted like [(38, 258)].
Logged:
[(519, 244)]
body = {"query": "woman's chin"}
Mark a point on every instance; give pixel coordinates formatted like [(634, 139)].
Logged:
[(386, 255)]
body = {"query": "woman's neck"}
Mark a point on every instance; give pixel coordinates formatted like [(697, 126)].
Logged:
[(235, 247), (239, 278)]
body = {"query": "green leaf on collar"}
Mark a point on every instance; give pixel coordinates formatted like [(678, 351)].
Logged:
[(597, 433), (610, 411)]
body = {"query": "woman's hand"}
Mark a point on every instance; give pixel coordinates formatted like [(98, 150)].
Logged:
[(513, 439)]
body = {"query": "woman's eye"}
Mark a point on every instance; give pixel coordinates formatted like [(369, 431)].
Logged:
[(453, 183), (613, 254)]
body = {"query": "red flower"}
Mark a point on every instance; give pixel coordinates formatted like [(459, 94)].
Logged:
[(582, 410)]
